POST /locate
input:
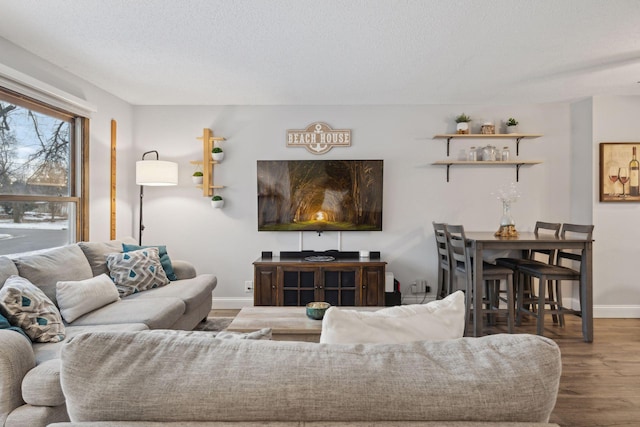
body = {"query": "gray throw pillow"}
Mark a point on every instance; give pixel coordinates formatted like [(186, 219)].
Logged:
[(26, 306), (136, 271)]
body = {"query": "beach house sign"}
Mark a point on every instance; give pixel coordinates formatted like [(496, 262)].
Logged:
[(318, 138)]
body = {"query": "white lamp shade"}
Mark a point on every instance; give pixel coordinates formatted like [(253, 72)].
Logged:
[(156, 172)]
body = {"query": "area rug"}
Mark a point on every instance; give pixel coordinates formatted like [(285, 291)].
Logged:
[(214, 324)]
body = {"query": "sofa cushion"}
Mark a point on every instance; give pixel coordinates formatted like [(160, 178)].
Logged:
[(48, 268), (26, 306), (7, 269), (136, 271), (156, 313), (191, 291), (76, 298), (96, 253), (41, 385), (162, 252), (495, 378), (49, 351), (436, 320)]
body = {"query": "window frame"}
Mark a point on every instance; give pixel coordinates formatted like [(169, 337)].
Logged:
[(79, 160)]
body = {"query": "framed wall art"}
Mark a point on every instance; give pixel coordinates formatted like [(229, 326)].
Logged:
[(619, 168)]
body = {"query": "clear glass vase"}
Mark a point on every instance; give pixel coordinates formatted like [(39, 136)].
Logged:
[(506, 219)]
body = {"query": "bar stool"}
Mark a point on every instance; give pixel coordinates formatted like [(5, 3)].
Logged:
[(543, 256), (546, 273), (445, 279), (491, 275)]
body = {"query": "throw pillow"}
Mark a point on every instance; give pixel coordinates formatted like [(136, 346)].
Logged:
[(136, 271), (26, 306), (164, 258), (4, 324), (76, 298), (434, 321)]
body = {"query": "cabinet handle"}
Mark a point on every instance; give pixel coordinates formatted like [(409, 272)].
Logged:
[(364, 286), (273, 286)]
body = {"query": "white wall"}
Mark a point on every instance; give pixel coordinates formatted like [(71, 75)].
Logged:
[(109, 107), (226, 242), (617, 226)]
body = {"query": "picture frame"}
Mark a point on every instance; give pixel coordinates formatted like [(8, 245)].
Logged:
[(619, 168)]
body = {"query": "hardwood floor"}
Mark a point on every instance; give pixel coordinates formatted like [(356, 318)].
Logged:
[(600, 383)]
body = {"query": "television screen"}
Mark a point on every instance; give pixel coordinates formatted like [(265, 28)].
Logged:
[(320, 195)]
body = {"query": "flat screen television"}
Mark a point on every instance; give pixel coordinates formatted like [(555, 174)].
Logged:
[(320, 195)]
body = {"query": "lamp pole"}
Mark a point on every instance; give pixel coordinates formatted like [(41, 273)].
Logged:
[(140, 225)]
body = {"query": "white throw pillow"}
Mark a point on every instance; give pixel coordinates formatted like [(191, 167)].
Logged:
[(76, 298), (434, 321)]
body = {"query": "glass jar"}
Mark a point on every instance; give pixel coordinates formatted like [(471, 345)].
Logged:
[(489, 153), (473, 155), (505, 155)]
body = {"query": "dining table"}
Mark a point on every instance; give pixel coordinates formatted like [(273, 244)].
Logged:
[(481, 241)]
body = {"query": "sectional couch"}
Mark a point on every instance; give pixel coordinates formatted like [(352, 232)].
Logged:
[(191, 379), (30, 392)]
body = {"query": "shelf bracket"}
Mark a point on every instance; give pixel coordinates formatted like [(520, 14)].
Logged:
[(518, 139), (448, 166), (448, 141), (518, 171)]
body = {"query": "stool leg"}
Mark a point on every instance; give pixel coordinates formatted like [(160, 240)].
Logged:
[(540, 309), (510, 303)]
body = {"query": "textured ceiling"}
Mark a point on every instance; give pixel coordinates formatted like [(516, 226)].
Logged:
[(336, 52)]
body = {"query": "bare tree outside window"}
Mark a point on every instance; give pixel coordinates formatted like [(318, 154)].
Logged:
[(38, 204)]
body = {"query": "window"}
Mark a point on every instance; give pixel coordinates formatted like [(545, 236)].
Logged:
[(43, 168)]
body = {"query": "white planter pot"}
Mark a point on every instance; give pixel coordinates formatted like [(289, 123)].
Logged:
[(217, 156), (463, 128), (197, 179), (512, 129), (217, 204)]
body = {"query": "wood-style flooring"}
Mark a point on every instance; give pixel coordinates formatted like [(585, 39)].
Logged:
[(600, 383)]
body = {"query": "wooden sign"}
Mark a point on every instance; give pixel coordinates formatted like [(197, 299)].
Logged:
[(318, 138)]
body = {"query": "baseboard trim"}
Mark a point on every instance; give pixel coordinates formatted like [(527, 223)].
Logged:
[(616, 311), (231, 303)]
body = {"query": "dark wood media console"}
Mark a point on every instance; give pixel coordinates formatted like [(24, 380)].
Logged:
[(290, 280)]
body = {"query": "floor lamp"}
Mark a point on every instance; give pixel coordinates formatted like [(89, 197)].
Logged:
[(153, 173)]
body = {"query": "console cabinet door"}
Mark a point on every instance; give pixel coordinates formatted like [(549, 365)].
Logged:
[(340, 286), (298, 286), (265, 290), (372, 286)]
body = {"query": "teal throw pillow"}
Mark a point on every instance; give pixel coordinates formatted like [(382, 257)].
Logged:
[(164, 257), (4, 324)]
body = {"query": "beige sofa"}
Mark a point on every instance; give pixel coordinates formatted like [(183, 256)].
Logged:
[(151, 378), (30, 393)]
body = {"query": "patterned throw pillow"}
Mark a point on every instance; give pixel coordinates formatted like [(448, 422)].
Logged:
[(162, 252), (26, 306), (136, 271)]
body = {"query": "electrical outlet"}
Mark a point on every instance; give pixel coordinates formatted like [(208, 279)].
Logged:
[(248, 286)]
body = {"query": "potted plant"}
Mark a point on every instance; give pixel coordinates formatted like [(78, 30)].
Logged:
[(217, 202), (197, 177), (462, 126), (512, 125), (217, 154)]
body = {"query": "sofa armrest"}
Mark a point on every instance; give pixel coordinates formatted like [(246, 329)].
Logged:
[(16, 359), (183, 269)]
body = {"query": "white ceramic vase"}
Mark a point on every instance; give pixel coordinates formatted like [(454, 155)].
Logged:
[(217, 156), (217, 204), (512, 129), (197, 179)]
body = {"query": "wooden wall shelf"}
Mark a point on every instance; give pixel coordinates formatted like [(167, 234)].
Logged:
[(516, 136), (207, 163), (517, 163)]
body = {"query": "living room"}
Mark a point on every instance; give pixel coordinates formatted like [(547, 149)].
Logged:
[(575, 102), (563, 187)]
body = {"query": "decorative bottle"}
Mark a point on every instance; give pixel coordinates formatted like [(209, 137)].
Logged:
[(634, 183)]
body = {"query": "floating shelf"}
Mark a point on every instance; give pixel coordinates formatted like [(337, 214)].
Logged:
[(517, 163)]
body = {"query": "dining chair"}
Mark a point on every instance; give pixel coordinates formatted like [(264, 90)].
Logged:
[(462, 267), (542, 256), (557, 273), (445, 278)]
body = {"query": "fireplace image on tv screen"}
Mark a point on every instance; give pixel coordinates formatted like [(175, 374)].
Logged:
[(320, 195)]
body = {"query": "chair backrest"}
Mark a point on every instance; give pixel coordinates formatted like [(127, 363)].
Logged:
[(576, 231), (457, 240), (444, 258), (546, 227)]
